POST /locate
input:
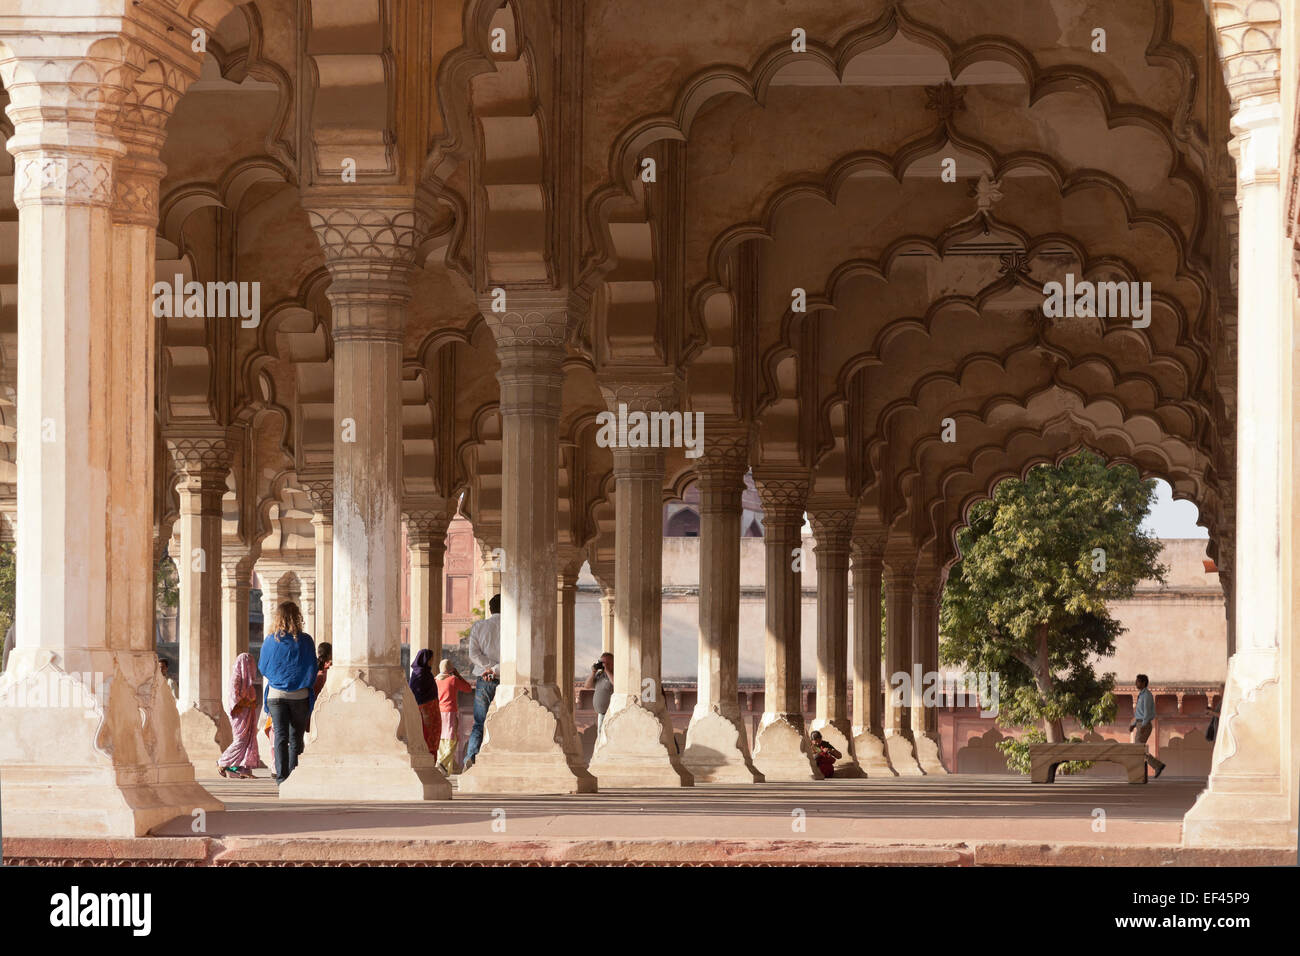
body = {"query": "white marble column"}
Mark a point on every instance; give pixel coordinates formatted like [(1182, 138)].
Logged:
[(1251, 796), (832, 526), (236, 582), (636, 747), (320, 489), (88, 121), (202, 458), (898, 662), (717, 747), (566, 594), (530, 744), (926, 595), (607, 620), (781, 750), (426, 544), (868, 704), (367, 743)]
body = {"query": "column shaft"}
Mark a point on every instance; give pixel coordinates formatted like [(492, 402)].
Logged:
[(868, 702), (566, 596), (831, 528), (530, 743), (637, 747), (87, 131), (781, 750), (367, 738), (203, 461), (717, 747), (925, 658), (898, 669), (1251, 795)]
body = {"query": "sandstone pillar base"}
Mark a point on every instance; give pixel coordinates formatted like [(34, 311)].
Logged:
[(523, 752), (77, 760), (206, 738), (1246, 802), (781, 752), (715, 751), (364, 747), (872, 758), (632, 752), (902, 756), (929, 753)]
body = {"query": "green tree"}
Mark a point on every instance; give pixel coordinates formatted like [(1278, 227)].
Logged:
[(6, 587), (1029, 599), (166, 585)]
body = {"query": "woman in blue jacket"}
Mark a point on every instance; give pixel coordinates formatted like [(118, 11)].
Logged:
[(288, 662)]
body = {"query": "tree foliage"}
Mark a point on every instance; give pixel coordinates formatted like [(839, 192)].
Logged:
[(1041, 561)]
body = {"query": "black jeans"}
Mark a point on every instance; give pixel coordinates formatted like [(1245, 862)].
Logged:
[(289, 718)]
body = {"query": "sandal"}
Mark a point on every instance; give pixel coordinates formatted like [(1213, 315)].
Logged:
[(224, 771)]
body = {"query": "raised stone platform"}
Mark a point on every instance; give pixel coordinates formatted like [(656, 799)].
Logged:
[(959, 820)]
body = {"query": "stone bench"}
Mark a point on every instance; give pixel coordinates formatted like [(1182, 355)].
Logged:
[(1045, 758)]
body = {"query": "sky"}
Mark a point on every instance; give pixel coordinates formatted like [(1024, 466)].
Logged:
[(1172, 519)]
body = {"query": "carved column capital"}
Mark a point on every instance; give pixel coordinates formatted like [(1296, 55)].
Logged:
[(721, 470), (142, 128), (320, 490), (370, 243), (832, 524), (427, 527), (868, 551), (1249, 41), (203, 455), (784, 493), (65, 96), (655, 390), (532, 318)]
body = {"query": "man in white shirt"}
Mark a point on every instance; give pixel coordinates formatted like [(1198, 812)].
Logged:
[(485, 655)]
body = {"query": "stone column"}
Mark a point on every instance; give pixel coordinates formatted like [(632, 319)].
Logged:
[(88, 124), (1251, 796), (530, 745), (566, 594), (236, 582), (270, 579), (781, 751), (925, 657), (898, 662), (637, 747), (868, 704), (606, 620), (426, 543), (832, 527), (202, 459), (717, 747), (320, 489), (367, 743)]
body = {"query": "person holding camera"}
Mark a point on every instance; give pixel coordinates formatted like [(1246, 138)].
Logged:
[(485, 655), (601, 682)]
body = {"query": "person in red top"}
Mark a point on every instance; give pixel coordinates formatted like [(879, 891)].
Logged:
[(824, 754), (450, 685)]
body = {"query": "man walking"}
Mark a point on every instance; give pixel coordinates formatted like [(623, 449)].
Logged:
[(485, 655), (1142, 720)]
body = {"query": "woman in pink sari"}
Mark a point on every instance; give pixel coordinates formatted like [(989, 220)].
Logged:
[(241, 757)]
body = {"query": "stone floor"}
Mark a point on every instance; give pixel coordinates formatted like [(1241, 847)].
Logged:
[(953, 820)]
